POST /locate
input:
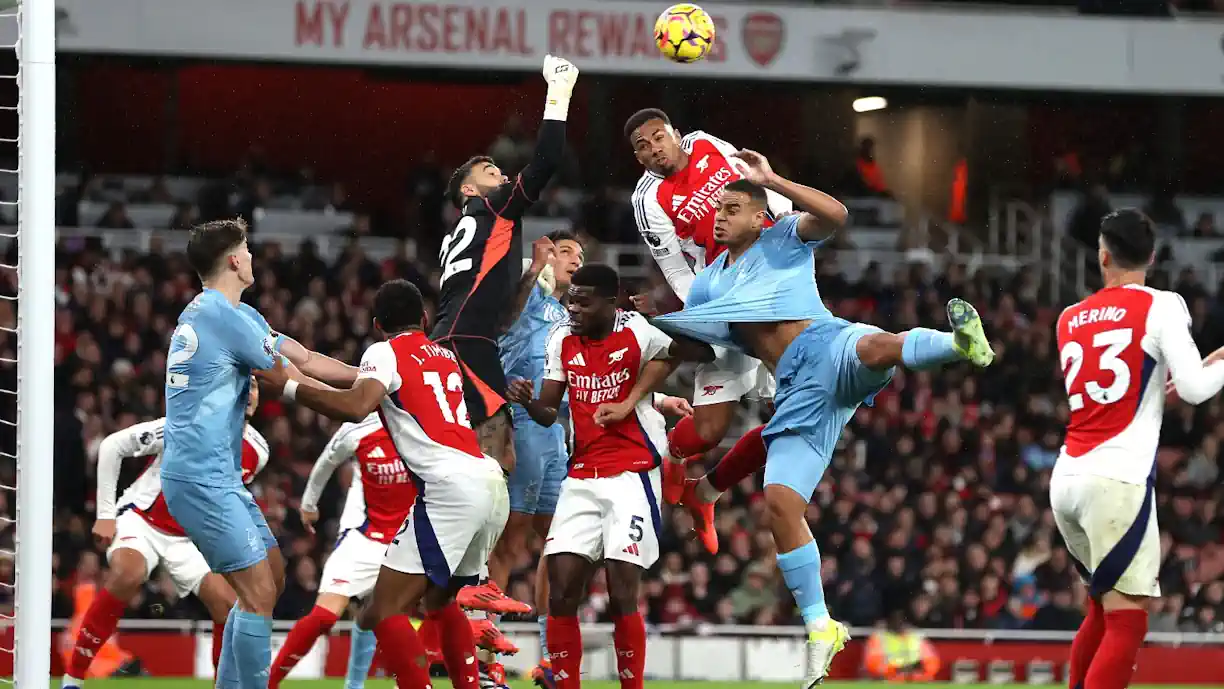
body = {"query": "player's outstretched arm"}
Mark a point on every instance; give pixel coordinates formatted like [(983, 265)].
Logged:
[(822, 214), (512, 200), (542, 252), (318, 366), (542, 409), (353, 404), (338, 449)]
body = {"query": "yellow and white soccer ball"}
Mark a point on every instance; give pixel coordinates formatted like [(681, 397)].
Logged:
[(684, 33)]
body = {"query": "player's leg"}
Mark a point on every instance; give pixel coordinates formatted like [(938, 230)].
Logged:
[(456, 634), (632, 523), (190, 574), (923, 348), (1065, 498), (574, 544), (568, 576), (131, 557), (1125, 570), (394, 592), (524, 484)]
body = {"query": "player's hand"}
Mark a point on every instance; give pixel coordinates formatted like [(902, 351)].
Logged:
[(104, 532), (308, 517), (676, 406), (274, 379), (520, 391), (644, 304), (609, 413), (559, 72), (757, 169), (543, 251)]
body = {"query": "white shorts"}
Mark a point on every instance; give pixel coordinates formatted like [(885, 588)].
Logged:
[(453, 527), (731, 377), (614, 518), (177, 554), (1110, 529), (352, 568)]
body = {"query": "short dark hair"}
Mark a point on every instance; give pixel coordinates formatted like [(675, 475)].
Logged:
[(1130, 237), (641, 117), (398, 306), (212, 240), (459, 176), (563, 235), (754, 191), (599, 276)]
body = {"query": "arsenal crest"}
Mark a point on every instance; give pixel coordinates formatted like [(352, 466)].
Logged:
[(764, 35)]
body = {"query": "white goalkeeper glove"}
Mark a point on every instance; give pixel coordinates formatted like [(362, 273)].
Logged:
[(560, 75), (547, 279)]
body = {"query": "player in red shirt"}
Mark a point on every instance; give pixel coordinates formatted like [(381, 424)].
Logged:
[(608, 510), (139, 534), (462, 503), (674, 204), (1117, 348)]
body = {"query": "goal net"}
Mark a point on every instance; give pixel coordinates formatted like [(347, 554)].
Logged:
[(27, 339)]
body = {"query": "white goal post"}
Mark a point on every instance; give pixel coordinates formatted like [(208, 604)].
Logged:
[(35, 342)]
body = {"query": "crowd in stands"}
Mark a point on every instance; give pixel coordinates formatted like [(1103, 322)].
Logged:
[(936, 503)]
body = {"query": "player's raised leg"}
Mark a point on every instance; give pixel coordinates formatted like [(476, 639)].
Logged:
[(318, 622)]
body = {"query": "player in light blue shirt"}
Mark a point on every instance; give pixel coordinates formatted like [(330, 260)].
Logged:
[(761, 296), (219, 341), (542, 455)]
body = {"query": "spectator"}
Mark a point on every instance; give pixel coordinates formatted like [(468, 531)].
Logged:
[(115, 218)]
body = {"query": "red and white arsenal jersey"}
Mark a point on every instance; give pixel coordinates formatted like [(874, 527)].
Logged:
[(424, 411), (604, 371), (145, 496), (1116, 349), (382, 490), (675, 215)]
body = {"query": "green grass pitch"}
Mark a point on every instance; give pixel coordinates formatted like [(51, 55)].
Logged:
[(160, 683)]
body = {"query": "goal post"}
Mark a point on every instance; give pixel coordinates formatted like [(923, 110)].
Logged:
[(35, 341)]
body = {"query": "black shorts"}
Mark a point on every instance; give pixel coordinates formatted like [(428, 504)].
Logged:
[(484, 379)]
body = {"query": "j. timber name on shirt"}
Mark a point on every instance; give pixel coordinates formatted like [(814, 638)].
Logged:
[(596, 388), (434, 350), (1113, 314), (705, 199)]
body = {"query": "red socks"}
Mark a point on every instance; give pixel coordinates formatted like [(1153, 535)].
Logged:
[(1085, 645), (1114, 663), (218, 639), (457, 643), (407, 662), (565, 651), (629, 638), (97, 626), (684, 441), (743, 460), (301, 638)]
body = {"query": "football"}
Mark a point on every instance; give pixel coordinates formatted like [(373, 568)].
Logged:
[(684, 33)]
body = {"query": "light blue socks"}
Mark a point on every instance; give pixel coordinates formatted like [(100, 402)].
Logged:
[(252, 648), (361, 656), (227, 665), (925, 348), (801, 571), (542, 620)]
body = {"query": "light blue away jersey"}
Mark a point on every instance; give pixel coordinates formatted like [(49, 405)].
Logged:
[(523, 346), (773, 281), (212, 353)]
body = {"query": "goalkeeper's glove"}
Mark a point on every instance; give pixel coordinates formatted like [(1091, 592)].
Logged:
[(560, 75)]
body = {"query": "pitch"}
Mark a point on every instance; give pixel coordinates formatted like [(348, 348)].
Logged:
[(161, 683)]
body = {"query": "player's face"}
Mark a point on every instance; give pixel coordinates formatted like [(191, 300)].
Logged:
[(569, 258), (483, 179), (657, 147), (252, 398), (589, 313), (739, 219)]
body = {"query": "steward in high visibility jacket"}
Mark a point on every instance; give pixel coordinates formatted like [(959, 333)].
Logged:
[(900, 653)]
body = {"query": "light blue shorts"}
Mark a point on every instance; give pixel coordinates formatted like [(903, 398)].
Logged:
[(223, 522), (541, 463), (821, 383)]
